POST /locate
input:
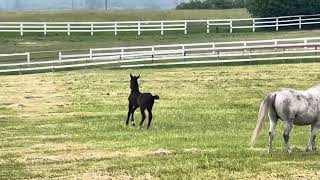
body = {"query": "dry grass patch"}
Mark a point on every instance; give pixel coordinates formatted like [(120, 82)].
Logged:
[(71, 152), (33, 95), (108, 176)]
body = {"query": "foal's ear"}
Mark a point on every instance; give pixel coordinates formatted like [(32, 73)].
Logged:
[(138, 76), (131, 76)]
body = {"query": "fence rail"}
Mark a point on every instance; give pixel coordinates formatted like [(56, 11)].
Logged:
[(137, 56), (158, 26)]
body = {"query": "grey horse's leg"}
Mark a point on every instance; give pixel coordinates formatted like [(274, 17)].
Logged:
[(313, 135), (273, 123), (288, 124)]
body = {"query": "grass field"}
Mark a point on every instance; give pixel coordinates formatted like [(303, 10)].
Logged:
[(72, 125), (12, 44), (121, 15)]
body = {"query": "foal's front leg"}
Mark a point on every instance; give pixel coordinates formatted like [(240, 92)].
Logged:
[(313, 135), (128, 117), (132, 116)]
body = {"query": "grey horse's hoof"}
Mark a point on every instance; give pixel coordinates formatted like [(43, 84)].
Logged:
[(311, 149)]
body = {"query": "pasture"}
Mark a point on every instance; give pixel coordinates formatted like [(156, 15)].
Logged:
[(72, 125), (121, 15)]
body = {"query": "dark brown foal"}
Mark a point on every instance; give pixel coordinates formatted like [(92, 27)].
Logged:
[(137, 99)]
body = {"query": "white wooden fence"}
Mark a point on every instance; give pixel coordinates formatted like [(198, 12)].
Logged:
[(175, 54), (157, 26), (93, 27)]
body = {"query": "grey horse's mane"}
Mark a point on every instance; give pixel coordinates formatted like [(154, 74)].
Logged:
[(316, 86), (313, 87)]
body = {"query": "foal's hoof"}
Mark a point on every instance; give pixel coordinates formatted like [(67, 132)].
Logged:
[(133, 124), (289, 151)]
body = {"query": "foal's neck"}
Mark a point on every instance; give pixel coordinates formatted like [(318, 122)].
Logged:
[(135, 90)]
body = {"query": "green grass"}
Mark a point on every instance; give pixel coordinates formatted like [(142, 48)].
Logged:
[(72, 124), (121, 15), (12, 43)]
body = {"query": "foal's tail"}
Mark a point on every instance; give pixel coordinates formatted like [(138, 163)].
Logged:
[(266, 104), (156, 97)]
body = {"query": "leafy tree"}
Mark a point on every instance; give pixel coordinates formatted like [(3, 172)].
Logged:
[(270, 8), (212, 4)]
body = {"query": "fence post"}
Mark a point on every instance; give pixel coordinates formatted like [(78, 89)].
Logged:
[(90, 55), (122, 54), (275, 42), (230, 26), (244, 47), (139, 28), (300, 23), (21, 29), (213, 47), (69, 30), (115, 28), (208, 27), (183, 50), (45, 29), (28, 57), (162, 28), (277, 24), (60, 56), (305, 42), (185, 27), (91, 29), (253, 25), (152, 56)]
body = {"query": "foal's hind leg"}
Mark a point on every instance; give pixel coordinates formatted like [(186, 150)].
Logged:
[(273, 123), (288, 124), (143, 116), (150, 117), (313, 135)]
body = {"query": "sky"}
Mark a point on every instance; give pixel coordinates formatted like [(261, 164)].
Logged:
[(12, 5)]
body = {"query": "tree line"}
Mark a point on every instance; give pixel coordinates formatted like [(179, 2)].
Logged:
[(259, 8), (212, 4)]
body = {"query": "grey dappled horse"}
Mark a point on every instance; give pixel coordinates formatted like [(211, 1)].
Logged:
[(293, 107)]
